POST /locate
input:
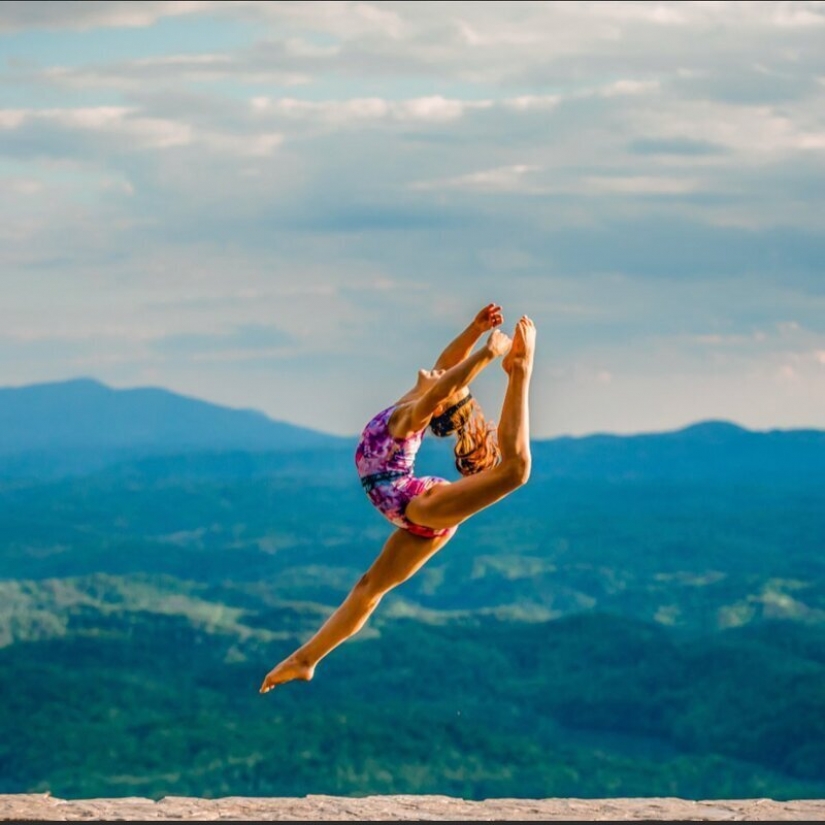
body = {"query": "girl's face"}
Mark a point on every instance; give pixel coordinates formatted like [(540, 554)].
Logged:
[(427, 378)]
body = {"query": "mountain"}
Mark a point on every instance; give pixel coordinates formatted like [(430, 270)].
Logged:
[(81, 426), (84, 422), (645, 617), (708, 450)]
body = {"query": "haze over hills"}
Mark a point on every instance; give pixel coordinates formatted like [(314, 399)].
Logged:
[(82, 425)]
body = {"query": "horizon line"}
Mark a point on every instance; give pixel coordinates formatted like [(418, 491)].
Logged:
[(702, 422)]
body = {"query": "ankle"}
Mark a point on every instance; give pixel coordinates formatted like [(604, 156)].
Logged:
[(521, 368), (300, 658)]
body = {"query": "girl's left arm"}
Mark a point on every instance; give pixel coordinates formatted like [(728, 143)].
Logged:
[(462, 345), (415, 415)]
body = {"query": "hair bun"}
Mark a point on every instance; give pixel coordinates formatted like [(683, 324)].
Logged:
[(443, 425)]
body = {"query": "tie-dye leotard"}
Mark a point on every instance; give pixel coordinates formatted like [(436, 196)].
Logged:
[(385, 465)]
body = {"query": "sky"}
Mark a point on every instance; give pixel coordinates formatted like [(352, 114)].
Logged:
[(293, 206)]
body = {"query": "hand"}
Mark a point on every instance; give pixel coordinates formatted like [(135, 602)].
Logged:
[(488, 318), (498, 343)]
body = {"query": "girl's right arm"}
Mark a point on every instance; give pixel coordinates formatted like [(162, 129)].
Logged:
[(452, 380), (461, 346)]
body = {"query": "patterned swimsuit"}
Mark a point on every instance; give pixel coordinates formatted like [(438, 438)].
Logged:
[(385, 465)]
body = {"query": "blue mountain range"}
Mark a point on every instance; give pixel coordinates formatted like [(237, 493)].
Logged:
[(83, 425), (84, 414)]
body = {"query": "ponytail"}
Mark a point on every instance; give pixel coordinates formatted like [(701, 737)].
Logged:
[(476, 446)]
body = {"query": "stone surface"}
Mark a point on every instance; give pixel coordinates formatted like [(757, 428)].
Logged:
[(42, 807)]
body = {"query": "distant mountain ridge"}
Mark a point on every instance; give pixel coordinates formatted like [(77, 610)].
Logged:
[(717, 450), (51, 430), (83, 425), (86, 414)]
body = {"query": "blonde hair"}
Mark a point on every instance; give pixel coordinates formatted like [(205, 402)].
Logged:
[(476, 441)]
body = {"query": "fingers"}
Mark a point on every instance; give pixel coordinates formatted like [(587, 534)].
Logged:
[(499, 342), (490, 316)]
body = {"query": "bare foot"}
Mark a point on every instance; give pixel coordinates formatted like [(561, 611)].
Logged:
[(287, 671), (524, 346)]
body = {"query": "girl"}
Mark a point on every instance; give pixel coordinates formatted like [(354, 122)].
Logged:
[(427, 510)]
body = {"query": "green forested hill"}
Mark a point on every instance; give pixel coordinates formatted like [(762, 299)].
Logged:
[(151, 689), (620, 626), (687, 554)]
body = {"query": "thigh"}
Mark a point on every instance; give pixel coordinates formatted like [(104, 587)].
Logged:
[(448, 504), (402, 555)]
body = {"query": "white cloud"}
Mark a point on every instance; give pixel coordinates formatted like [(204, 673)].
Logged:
[(528, 179), (344, 18), (137, 76), (128, 129), (640, 185), (798, 14), (434, 109), (527, 102), (657, 12), (503, 179), (80, 15), (752, 131), (645, 178), (716, 339), (122, 122), (21, 186)]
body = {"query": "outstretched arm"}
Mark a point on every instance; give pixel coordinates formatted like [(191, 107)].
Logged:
[(462, 345), (417, 414)]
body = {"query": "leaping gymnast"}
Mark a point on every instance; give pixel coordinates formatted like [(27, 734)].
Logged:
[(427, 510)]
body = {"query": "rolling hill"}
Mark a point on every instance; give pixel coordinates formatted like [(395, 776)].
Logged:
[(646, 616), (80, 426)]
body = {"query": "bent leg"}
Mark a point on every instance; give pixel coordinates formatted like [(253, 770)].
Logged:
[(447, 505), (402, 555)]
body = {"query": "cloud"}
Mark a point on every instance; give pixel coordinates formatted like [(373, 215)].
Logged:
[(179, 69), (639, 185), (112, 131), (332, 188), (674, 146), (502, 179), (434, 109), (238, 343), (16, 15)]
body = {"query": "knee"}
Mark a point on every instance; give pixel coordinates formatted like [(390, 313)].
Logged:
[(517, 470), (368, 591)]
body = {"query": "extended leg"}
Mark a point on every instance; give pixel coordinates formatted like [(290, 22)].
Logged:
[(447, 505), (402, 555)]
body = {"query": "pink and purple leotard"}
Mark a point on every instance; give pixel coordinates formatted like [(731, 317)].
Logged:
[(385, 465)]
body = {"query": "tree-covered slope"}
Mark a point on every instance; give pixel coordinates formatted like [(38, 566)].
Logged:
[(135, 691)]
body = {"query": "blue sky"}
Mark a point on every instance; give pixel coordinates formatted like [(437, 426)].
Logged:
[(293, 206)]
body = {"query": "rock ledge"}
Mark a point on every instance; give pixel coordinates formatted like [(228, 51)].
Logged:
[(43, 807)]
